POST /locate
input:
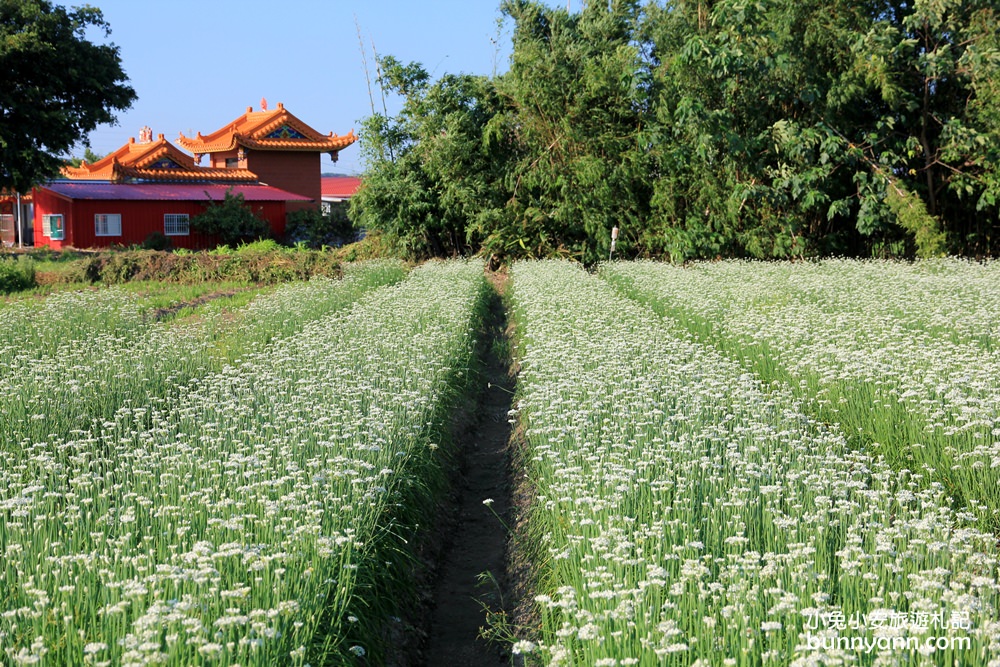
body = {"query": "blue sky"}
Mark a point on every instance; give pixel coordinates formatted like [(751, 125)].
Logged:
[(197, 65)]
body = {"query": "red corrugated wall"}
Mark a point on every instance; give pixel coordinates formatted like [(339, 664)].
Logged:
[(139, 220), (48, 203)]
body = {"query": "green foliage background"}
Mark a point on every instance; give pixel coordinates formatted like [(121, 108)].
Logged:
[(779, 128), (16, 275), (57, 86), (231, 220), (318, 229)]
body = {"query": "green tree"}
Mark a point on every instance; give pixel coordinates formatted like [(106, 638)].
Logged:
[(89, 156), (936, 66), (579, 105), (703, 128), (543, 160), (57, 86), (231, 220), (743, 166), (798, 127), (435, 170)]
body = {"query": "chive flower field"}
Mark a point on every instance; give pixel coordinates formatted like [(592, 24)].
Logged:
[(234, 516), (733, 463), (689, 514), (905, 357), (65, 390)]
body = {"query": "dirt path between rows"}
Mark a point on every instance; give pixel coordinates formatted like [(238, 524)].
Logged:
[(160, 314), (475, 539)]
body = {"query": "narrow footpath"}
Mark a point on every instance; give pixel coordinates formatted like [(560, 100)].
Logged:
[(471, 573)]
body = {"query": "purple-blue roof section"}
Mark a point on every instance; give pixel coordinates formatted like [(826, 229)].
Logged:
[(167, 191)]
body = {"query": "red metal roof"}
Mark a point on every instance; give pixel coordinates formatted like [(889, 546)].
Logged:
[(340, 187), (167, 191)]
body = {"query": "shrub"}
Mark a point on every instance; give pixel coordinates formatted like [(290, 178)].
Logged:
[(315, 230), (231, 220), (156, 241), (262, 246), (263, 263), (372, 246), (16, 275)]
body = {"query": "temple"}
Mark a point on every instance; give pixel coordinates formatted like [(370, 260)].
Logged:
[(264, 147), (276, 146), (153, 161), (151, 188)]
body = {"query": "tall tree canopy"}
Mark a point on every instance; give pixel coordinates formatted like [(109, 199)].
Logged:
[(578, 101), (436, 170), (705, 128), (55, 87)]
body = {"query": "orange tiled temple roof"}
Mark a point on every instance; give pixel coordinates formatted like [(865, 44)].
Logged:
[(11, 195), (277, 130), (153, 161)]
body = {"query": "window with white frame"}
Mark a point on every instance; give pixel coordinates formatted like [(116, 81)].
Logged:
[(52, 226), (108, 224), (176, 224)]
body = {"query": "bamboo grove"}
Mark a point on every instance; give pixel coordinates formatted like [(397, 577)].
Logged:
[(701, 129)]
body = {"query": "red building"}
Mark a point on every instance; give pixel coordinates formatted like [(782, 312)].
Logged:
[(271, 158), (15, 219), (276, 146), (337, 192), (89, 214)]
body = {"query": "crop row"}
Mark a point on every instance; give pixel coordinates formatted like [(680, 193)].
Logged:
[(95, 371), (878, 348), (687, 513), (29, 331), (247, 517)]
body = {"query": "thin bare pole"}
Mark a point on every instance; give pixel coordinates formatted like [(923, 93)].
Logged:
[(381, 88), (20, 223), (364, 63), (378, 70)]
